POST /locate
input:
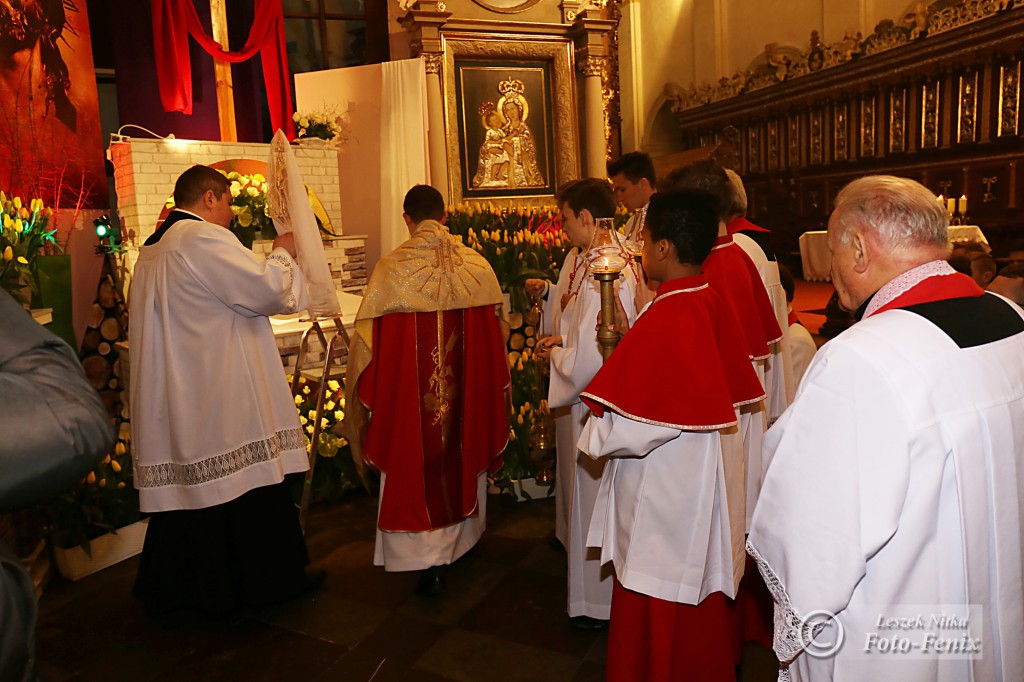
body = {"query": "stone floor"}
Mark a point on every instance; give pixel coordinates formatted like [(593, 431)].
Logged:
[(503, 618)]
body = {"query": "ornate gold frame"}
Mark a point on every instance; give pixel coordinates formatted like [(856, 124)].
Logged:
[(564, 117)]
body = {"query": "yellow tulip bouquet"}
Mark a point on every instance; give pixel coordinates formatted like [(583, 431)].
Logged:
[(25, 234)]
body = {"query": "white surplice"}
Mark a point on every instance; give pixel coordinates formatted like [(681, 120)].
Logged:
[(895, 485), (212, 415), (573, 365), (801, 350), (662, 515), (779, 383), (775, 374), (633, 229), (551, 325)]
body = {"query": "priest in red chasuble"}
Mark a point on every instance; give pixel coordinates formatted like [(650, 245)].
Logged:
[(427, 378), (665, 515)]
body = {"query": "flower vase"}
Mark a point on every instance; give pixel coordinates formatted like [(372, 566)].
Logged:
[(75, 563), (313, 142)]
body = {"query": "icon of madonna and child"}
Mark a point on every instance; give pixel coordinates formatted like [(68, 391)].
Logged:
[(508, 155)]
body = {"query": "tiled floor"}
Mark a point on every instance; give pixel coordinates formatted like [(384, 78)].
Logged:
[(503, 618)]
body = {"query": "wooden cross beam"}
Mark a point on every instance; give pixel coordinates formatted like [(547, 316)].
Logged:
[(222, 74)]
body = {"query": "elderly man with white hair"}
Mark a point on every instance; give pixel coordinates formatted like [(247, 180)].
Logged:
[(889, 526)]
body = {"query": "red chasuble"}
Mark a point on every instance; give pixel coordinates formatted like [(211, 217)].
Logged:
[(734, 276), (442, 420), (687, 337)]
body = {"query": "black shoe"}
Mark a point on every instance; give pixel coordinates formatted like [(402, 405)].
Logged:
[(432, 582), (587, 623), (314, 579)]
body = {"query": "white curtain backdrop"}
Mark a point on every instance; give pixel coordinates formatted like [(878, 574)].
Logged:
[(403, 135)]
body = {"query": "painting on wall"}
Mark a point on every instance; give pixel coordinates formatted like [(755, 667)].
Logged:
[(510, 117), (49, 110), (504, 128)]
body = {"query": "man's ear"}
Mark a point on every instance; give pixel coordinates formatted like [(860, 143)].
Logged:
[(863, 252), (663, 248), (209, 198), (586, 217)]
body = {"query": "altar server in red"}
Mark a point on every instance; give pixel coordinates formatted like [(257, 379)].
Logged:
[(891, 511), (734, 276), (661, 404), (425, 392)]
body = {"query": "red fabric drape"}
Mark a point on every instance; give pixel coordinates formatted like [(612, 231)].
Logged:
[(174, 20)]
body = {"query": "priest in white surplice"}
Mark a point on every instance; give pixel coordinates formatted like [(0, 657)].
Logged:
[(893, 496), (575, 358), (213, 423)]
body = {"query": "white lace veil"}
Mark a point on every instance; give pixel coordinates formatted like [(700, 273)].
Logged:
[(288, 205)]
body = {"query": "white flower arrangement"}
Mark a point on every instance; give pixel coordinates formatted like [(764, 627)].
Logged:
[(325, 125)]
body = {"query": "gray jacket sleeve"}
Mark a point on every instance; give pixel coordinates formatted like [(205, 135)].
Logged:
[(53, 426)]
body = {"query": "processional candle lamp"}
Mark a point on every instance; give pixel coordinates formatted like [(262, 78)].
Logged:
[(607, 259)]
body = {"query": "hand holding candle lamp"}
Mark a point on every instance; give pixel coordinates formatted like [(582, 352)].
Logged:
[(607, 260)]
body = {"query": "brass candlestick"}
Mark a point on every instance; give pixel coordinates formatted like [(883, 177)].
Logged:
[(607, 338)]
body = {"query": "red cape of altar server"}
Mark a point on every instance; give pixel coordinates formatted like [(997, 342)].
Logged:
[(734, 276), (691, 335), (432, 471), (741, 224)]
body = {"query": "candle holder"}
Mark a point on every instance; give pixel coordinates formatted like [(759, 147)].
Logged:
[(607, 258), (542, 444)]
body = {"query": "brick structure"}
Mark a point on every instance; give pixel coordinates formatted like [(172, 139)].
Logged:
[(144, 175), (145, 171)]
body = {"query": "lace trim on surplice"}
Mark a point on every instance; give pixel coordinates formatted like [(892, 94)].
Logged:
[(793, 634), (905, 282), (219, 466), (289, 266)]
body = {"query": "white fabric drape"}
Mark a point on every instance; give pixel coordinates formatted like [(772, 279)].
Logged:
[(288, 205), (403, 144)]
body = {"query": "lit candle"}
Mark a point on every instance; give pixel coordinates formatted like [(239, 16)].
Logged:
[(950, 206), (942, 200), (963, 204)]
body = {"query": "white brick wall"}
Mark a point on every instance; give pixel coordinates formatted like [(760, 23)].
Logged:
[(145, 171)]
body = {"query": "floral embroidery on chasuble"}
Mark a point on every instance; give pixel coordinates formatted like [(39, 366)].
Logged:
[(435, 388)]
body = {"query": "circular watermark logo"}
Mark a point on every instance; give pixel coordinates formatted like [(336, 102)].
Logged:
[(822, 641)]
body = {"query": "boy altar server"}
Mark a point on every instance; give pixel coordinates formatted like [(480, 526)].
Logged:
[(662, 516), (575, 358)]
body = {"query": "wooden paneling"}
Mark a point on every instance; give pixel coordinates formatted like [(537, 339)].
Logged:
[(943, 110)]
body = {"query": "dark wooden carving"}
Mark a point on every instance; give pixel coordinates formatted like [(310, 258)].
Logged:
[(944, 110)]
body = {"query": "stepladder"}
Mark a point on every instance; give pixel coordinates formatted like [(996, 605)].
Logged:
[(334, 341)]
